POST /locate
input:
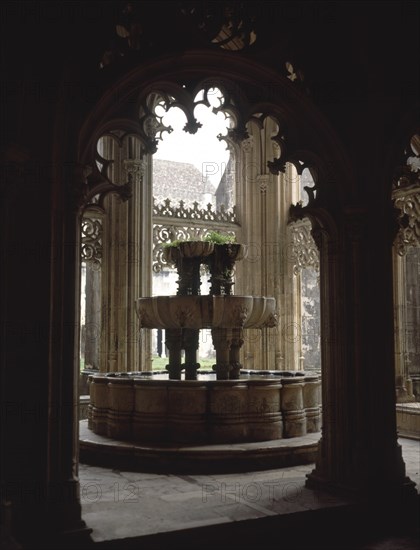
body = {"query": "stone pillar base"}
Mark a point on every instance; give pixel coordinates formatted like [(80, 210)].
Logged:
[(395, 495)]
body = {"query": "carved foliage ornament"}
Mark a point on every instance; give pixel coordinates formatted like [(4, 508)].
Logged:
[(304, 251), (228, 25), (272, 321), (406, 198), (408, 204), (184, 315), (239, 315)]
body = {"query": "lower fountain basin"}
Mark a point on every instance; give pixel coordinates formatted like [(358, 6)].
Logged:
[(204, 411), (197, 312)]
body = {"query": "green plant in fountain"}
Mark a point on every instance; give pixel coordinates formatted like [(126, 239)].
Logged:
[(219, 238), (212, 237), (173, 244)]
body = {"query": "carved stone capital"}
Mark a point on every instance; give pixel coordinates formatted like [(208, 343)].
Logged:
[(135, 169)]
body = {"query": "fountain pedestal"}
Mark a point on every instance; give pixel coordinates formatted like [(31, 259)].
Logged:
[(182, 316)]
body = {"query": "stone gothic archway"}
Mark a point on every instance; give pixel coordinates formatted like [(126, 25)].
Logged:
[(346, 460)]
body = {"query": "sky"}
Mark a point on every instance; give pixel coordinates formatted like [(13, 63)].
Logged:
[(201, 149)]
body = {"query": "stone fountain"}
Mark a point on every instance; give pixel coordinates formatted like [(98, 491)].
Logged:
[(162, 415), (182, 316)]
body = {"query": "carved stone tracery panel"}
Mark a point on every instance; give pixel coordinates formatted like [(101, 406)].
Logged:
[(91, 240), (304, 251), (184, 211)]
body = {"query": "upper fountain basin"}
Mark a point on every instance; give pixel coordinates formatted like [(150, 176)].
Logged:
[(198, 312)]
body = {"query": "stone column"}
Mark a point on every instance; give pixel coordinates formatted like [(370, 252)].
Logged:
[(234, 358), (190, 339), (262, 221), (127, 267), (139, 256), (358, 450), (222, 338), (174, 344), (403, 382), (62, 494), (249, 198), (413, 320), (40, 363), (290, 298)]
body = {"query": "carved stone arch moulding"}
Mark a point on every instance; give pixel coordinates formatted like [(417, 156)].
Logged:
[(250, 92), (168, 94), (320, 195), (111, 162)]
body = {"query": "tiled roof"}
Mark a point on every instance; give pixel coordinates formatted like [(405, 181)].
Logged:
[(179, 180)]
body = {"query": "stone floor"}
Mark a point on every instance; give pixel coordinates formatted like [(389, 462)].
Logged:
[(128, 505)]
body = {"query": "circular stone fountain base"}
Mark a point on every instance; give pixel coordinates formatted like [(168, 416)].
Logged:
[(143, 421), (198, 459), (205, 411)]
